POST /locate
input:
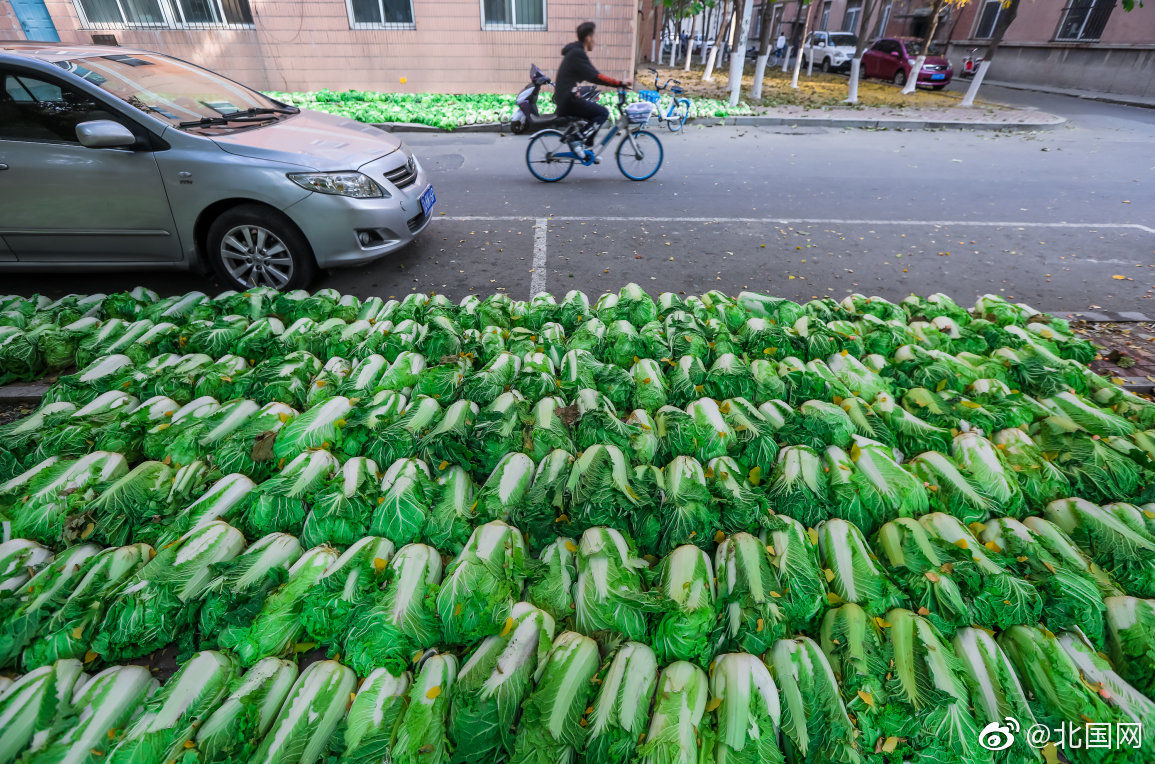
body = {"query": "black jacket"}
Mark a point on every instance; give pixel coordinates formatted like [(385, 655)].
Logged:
[(576, 67)]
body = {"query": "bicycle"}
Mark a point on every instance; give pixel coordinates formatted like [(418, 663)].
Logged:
[(639, 154), (679, 109)]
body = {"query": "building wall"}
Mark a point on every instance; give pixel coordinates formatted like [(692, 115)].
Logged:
[(308, 45), (1121, 62), (9, 24)]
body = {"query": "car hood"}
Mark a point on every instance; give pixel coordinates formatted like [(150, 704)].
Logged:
[(314, 140), (935, 61)]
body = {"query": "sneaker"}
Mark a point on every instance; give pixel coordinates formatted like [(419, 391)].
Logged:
[(577, 148)]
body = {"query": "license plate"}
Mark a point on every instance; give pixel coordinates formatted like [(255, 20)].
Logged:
[(428, 199), (938, 76)]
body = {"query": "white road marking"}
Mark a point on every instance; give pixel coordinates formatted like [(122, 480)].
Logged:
[(537, 278), (807, 221)]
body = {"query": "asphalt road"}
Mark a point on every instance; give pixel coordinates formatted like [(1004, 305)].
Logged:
[(1060, 219)]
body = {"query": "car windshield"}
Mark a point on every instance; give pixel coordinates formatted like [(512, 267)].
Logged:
[(847, 40), (914, 48), (176, 91)]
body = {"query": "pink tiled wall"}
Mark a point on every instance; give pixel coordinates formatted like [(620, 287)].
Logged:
[(307, 45), (9, 25), (1038, 23)]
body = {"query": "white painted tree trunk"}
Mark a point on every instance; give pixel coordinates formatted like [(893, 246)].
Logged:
[(786, 58), (912, 80), (673, 51), (855, 68), (973, 90), (759, 75), (653, 50), (738, 53), (708, 75), (690, 44), (797, 69), (810, 63)]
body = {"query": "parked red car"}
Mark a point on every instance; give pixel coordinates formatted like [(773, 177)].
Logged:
[(892, 58)]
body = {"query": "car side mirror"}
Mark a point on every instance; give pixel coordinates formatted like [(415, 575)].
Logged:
[(104, 134)]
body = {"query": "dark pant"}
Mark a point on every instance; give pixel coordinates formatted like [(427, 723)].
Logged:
[(594, 113)]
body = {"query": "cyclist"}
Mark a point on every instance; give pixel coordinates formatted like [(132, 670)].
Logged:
[(576, 67)]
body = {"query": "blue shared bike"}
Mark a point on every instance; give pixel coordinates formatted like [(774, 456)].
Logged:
[(552, 153), (675, 111)]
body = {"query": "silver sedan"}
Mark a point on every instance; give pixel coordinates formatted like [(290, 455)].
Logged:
[(112, 158)]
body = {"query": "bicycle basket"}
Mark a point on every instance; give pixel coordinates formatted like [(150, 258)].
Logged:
[(649, 95), (639, 113)]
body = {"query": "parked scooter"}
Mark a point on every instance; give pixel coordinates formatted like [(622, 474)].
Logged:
[(526, 118), (970, 63)]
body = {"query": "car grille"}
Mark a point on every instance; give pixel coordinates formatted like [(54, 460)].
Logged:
[(934, 68), (403, 176), (417, 221)]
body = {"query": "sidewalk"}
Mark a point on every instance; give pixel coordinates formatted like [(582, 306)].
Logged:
[(1090, 95), (984, 117)]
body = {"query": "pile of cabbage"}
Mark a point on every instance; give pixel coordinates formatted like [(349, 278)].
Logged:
[(448, 111), (672, 529)]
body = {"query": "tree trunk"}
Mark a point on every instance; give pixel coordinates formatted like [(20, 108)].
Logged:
[(706, 33), (712, 56), (791, 44), (738, 53), (912, 80), (798, 56), (868, 8), (1005, 20), (763, 52), (728, 49), (656, 43), (690, 42)]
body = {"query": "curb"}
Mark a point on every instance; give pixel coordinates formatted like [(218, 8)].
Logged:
[(1127, 317), (770, 121), (23, 392)]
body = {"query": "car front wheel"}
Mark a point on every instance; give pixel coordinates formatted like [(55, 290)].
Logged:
[(900, 78), (252, 245), (826, 66)]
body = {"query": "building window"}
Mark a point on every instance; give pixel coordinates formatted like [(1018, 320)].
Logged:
[(988, 19), (1085, 19), (825, 22), (853, 14), (164, 14), (513, 14), (884, 20), (380, 14)]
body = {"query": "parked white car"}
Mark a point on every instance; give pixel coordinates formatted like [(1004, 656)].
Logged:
[(832, 51)]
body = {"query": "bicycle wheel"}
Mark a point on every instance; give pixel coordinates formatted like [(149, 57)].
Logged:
[(541, 156), (642, 163), (678, 115)]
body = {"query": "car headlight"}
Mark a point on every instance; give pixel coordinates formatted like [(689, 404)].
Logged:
[(352, 184)]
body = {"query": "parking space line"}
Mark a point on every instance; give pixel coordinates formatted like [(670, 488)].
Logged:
[(801, 221), (537, 278)]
